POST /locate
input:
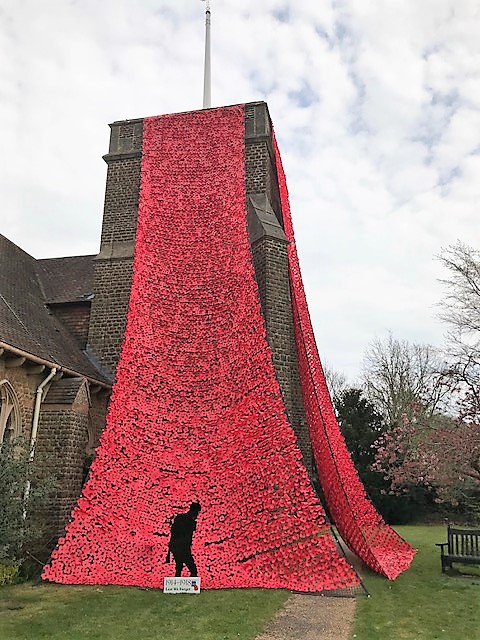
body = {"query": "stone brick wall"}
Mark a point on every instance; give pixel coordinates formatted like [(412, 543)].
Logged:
[(76, 319), (121, 199), (113, 265), (61, 445), (271, 269), (260, 171), (98, 413), (113, 281), (269, 256)]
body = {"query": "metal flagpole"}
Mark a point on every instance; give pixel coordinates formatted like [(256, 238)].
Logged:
[(207, 79)]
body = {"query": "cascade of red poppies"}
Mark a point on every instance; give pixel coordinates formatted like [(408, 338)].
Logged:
[(196, 411), (358, 522)]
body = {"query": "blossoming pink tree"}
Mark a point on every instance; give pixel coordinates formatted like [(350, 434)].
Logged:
[(441, 454)]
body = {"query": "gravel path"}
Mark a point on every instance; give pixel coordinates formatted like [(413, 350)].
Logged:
[(307, 617)]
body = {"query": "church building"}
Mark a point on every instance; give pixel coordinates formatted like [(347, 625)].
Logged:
[(62, 320)]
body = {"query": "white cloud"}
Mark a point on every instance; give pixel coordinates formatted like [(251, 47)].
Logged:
[(376, 106)]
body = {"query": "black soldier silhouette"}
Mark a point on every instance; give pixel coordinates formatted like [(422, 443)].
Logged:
[(180, 544)]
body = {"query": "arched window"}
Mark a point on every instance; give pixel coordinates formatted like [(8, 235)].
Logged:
[(10, 422)]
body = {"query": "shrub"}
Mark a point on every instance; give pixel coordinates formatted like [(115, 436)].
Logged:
[(20, 524), (8, 574)]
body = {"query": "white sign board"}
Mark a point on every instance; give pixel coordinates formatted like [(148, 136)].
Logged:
[(181, 585)]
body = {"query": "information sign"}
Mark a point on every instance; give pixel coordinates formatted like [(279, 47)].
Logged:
[(181, 585)]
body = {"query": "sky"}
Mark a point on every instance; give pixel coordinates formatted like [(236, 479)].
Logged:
[(375, 103)]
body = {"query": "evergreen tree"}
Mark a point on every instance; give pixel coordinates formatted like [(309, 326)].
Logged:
[(362, 425)]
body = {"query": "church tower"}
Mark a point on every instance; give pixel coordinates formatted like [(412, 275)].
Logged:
[(217, 372), (113, 265)]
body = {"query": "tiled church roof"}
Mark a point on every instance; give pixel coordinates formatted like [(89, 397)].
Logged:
[(66, 279), (64, 391), (25, 320)]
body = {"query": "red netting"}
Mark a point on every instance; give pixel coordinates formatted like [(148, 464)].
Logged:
[(196, 412), (359, 524)]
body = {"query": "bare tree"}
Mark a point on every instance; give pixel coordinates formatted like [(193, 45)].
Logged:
[(423, 444), (460, 309), (461, 306), (400, 377), (336, 382)]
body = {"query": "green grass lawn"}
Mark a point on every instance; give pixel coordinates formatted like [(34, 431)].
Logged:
[(422, 603), (60, 612)]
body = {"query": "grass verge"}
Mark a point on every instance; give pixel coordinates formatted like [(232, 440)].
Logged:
[(422, 603), (60, 612)]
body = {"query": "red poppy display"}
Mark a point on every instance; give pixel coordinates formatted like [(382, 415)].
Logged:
[(196, 410), (357, 520)]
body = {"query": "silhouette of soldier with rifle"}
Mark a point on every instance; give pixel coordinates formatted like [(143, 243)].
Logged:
[(180, 544)]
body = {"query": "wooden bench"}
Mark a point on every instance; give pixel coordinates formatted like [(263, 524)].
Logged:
[(463, 546)]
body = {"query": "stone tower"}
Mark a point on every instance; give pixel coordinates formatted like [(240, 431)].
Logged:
[(113, 265)]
